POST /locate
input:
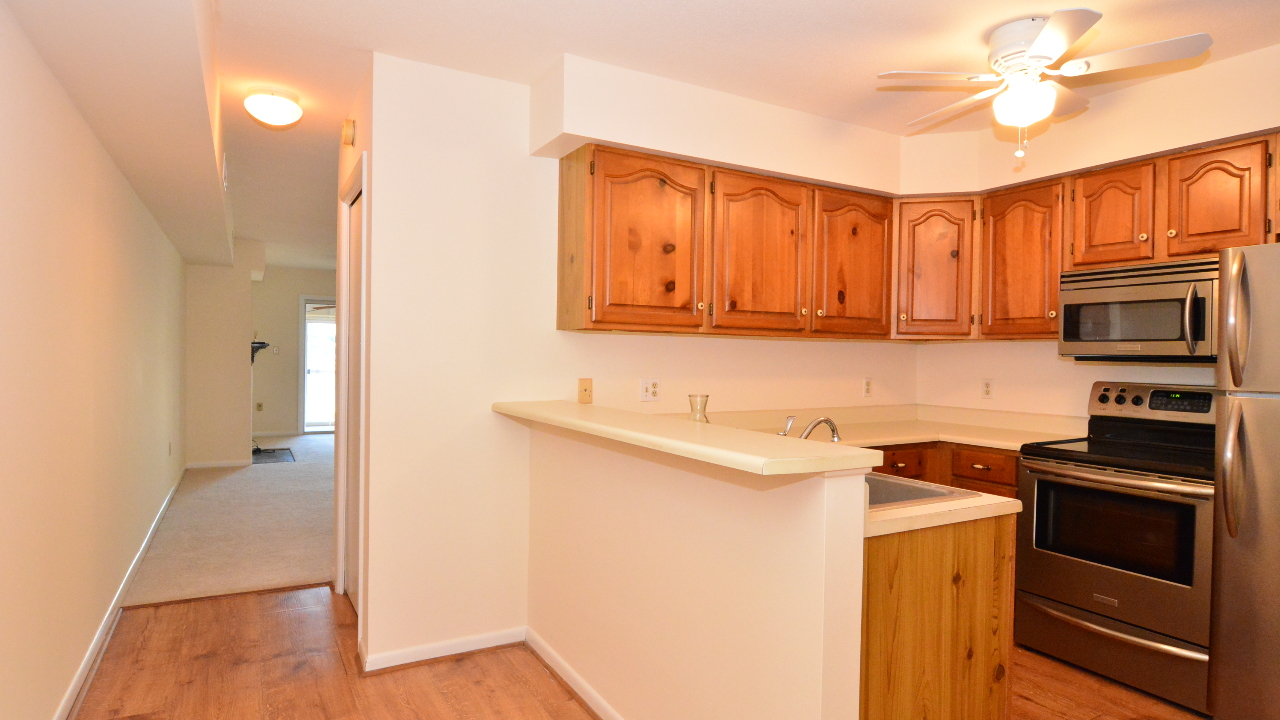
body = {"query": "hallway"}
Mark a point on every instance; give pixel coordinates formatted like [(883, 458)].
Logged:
[(232, 530)]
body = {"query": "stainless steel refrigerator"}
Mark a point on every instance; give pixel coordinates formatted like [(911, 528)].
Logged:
[(1244, 654)]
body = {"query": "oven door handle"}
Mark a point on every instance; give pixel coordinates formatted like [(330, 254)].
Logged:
[(1188, 307), (1163, 486), (1117, 635)]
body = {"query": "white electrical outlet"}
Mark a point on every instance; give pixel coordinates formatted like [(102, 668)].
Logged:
[(866, 387), (648, 390), (988, 391)]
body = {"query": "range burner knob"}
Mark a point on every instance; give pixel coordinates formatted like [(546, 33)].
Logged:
[(1104, 398), (1137, 401), (1120, 399)]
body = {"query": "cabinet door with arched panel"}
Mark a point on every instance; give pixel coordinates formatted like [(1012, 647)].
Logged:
[(647, 243), (760, 253), (852, 259), (1021, 251), (1217, 199), (1114, 215), (935, 239)]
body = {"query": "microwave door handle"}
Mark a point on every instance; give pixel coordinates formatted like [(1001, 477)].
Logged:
[(1231, 451), (1236, 287), (1188, 306)]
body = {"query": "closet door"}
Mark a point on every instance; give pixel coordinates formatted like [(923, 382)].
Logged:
[(1021, 247), (760, 244), (935, 239), (851, 263)]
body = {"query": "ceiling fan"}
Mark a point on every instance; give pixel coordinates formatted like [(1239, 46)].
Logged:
[(1023, 50)]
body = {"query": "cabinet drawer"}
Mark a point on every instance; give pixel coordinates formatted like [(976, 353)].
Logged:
[(985, 487), (984, 465), (903, 463)]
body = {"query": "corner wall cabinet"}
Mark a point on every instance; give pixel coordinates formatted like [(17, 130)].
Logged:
[(655, 244)]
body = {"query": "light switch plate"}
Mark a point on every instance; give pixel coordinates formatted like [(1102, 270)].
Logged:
[(585, 394), (649, 390)]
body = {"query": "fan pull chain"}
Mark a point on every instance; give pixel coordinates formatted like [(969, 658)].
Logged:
[(1022, 143)]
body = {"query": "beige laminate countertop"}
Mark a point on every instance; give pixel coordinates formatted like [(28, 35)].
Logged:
[(917, 517), (901, 432), (745, 450)]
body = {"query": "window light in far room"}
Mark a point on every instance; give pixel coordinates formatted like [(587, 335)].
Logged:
[(273, 107)]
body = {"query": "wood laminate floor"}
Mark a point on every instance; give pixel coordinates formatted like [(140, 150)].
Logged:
[(291, 655)]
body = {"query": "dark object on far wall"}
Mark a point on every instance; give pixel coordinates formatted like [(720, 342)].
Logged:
[(256, 345), (272, 455)]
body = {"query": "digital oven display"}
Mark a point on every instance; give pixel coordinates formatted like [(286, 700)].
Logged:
[(1187, 402)]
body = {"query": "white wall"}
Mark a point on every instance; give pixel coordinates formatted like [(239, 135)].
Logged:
[(1028, 376), (463, 314), (90, 380), (217, 373), (1216, 100), (276, 320)]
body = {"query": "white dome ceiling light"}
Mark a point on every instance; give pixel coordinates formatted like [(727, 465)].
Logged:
[(273, 107), (1023, 50)]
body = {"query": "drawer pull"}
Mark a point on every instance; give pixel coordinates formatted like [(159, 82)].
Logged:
[(898, 465), (976, 466)]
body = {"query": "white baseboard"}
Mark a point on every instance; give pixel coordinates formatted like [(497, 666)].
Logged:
[(566, 673), (223, 464), (380, 661), (91, 657)]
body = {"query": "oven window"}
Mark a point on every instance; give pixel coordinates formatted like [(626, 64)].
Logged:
[(1142, 535), (1139, 321)]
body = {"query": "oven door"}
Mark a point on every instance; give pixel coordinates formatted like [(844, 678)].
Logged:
[(1172, 319), (1130, 546)]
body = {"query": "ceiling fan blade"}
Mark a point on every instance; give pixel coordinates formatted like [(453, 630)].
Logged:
[(1156, 52), (1062, 31), (1068, 100), (958, 107), (926, 75)]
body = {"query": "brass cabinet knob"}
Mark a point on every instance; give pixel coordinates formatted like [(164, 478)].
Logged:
[(1173, 233), (902, 316), (702, 306), (1053, 314), (1143, 237), (821, 313), (804, 311)]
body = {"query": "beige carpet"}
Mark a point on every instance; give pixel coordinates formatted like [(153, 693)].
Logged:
[(230, 530)]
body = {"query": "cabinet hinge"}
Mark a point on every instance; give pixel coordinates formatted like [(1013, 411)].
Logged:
[(1073, 249), (593, 167), (982, 213), (711, 308), (1270, 159), (1268, 224), (713, 187), (972, 321), (591, 302), (1073, 194)]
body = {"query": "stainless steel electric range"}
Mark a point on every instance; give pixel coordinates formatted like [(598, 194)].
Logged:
[(1115, 543)]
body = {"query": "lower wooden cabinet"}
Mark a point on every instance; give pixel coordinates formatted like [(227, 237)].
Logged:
[(937, 624), (989, 470)]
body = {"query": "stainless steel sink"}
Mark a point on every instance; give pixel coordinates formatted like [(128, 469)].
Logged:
[(888, 491)]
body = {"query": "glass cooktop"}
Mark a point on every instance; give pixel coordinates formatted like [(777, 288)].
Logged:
[(1167, 448)]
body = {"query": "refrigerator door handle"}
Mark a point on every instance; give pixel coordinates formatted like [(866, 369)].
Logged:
[(1117, 635), (1231, 450), (1237, 318), (1188, 306)]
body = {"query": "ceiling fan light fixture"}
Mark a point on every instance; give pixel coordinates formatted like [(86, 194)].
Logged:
[(273, 107), (1024, 104)]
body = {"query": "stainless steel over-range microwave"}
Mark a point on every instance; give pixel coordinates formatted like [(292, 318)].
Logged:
[(1163, 312)]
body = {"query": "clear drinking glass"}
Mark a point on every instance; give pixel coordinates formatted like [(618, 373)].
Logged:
[(698, 408)]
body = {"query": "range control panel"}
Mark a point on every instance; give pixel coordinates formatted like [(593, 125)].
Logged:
[(1188, 403)]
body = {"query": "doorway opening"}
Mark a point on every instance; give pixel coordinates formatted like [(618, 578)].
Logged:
[(319, 365)]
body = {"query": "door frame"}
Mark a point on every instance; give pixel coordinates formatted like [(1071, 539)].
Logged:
[(303, 301), (352, 189)]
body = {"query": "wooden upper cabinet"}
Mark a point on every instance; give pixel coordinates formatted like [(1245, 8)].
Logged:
[(1021, 247), (648, 230), (1114, 215), (760, 258), (934, 267), (1217, 199), (852, 261)]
